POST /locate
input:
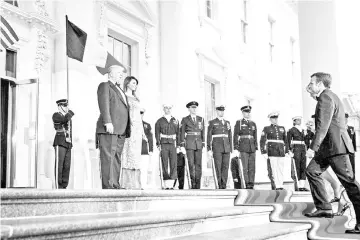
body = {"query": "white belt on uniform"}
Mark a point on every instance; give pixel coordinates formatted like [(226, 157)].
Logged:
[(172, 136), (297, 142), (219, 135), (275, 141)]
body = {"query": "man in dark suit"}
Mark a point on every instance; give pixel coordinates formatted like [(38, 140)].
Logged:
[(113, 125), (62, 143), (192, 138), (352, 134), (330, 147)]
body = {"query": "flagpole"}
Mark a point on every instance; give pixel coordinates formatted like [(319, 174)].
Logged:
[(67, 60)]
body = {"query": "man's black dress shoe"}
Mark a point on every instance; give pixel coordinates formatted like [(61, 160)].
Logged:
[(279, 189), (320, 214), (356, 230), (304, 190)]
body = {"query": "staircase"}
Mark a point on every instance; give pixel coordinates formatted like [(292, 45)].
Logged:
[(187, 214)]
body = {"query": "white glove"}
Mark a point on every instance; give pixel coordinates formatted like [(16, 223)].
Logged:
[(236, 180), (236, 153), (177, 150), (265, 156), (291, 154), (310, 153), (183, 150)]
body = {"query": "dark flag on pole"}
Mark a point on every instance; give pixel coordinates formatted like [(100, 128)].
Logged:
[(75, 41), (85, 49)]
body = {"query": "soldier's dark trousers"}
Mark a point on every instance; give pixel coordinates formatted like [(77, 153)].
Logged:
[(111, 147), (194, 158), (62, 166), (352, 161), (237, 185), (300, 161), (221, 160), (248, 164), (181, 176), (342, 168), (169, 158)]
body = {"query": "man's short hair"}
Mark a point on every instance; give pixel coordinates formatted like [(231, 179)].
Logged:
[(325, 78)]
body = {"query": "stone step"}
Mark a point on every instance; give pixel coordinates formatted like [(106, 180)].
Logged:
[(134, 225), (269, 231), (36, 202)]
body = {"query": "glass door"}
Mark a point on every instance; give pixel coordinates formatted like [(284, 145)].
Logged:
[(24, 134)]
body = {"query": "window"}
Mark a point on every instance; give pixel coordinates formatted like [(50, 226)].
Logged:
[(209, 101), (292, 45), (244, 22), (14, 2), (10, 66), (209, 9), (271, 40), (121, 51)]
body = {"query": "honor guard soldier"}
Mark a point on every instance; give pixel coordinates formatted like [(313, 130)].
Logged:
[(310, 132), (62, 143), (192, 141), (245, 142), (296, 140), (219, 142), (166, 135), (274, 146), (352, 134), (147, 148)]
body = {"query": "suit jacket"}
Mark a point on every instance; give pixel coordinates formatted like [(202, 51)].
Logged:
[(331, 137), (219, 144), (192, 142), (113, 109), (352, 134), (147, 147), (245, 128)]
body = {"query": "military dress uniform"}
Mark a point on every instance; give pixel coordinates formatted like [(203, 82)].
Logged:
[(274, 143), (352, 134), (296, 140), (166, 135), (219, 141), (192, 137), (245, 141), (62, 144)]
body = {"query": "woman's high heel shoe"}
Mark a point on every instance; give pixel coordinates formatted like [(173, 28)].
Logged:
[(343, 210)]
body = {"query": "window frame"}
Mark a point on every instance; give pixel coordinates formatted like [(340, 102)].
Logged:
[(244, 22), (14, 63), (115, 40)]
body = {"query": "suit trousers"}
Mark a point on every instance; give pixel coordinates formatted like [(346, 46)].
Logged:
[(221, 160), (194, 158), (276, 172), (62, 166), (248, 164), (169, 158), (111, 147), (343, 170)]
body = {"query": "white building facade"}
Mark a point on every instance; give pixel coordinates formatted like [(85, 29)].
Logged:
[(214, 52)]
